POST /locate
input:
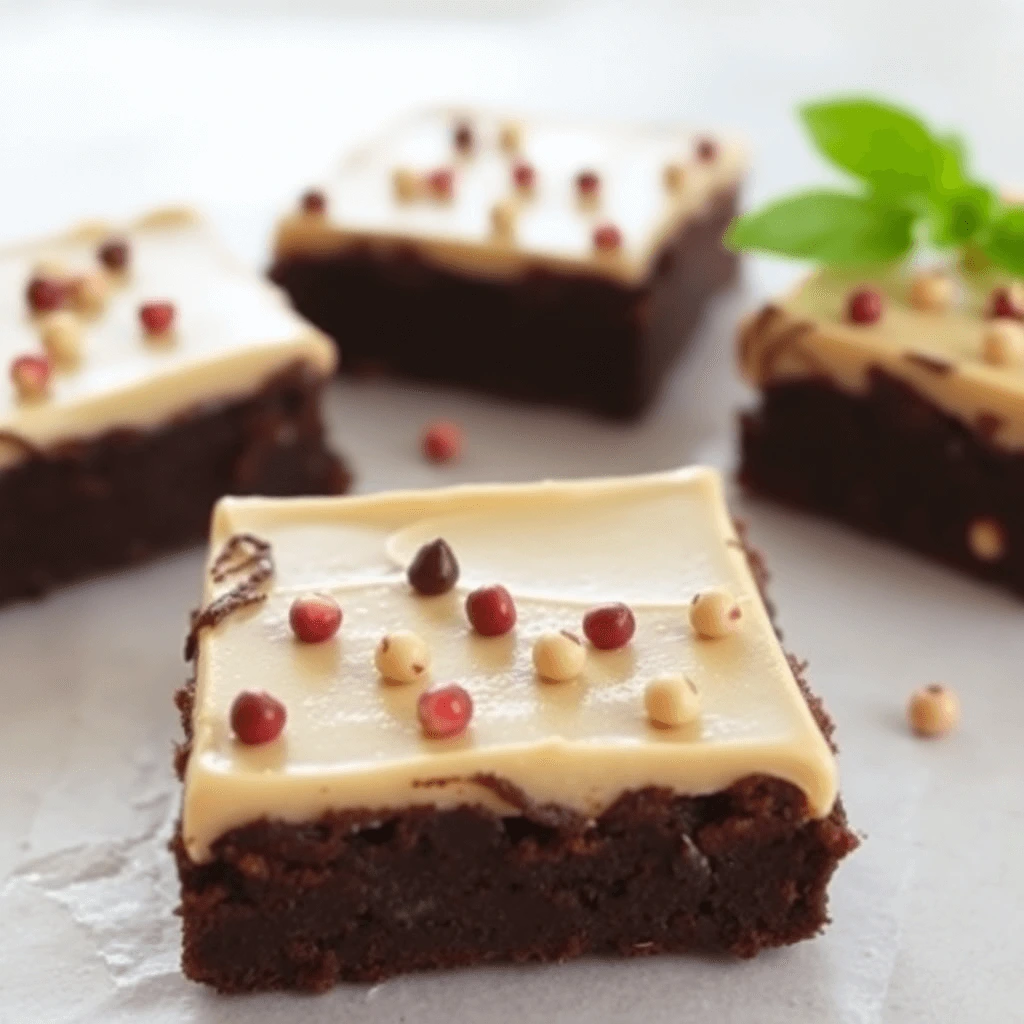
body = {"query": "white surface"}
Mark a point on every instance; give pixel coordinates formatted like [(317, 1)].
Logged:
[(107, 110)]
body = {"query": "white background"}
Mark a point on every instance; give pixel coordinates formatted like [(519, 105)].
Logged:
[(106, 109)]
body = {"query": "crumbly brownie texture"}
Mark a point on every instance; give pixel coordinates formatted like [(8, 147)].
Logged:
[(366, 894), (82, 507), (892, 464), (575, 339)]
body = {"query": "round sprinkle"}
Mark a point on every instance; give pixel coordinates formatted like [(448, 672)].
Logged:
[(674, 177), (45, 294), (671, 701), (933, 711), (706, 150), (462, 137), (503, 220), (402, 657), (434, 569), (114, 254), (864, 306), (157, 317), (257, 717), (714, 614), (442, 441), (607, 238), (559, 657), (444, 711), (588, 184), (524, 176), (313, 203), (610, 627), (986, 539), (932, 292), (61, 335), (441, 183), (406, 184), (1002, 342), (510, 136), (315, 618), (1008, 302), (89, 293), (491, 610), (30, 376)]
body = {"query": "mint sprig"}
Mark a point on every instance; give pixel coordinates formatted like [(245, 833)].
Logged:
[(914, 187)]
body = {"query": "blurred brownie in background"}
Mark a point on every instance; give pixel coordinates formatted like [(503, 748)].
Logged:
[(897, 405), (146, 375), (527, 258)]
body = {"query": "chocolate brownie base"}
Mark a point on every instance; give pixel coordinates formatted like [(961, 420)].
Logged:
[(890, 463), (573, 338), (365, 894), (83, 507)]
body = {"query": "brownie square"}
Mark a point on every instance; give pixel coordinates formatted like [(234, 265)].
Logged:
[(148, 377), (537, 260), (562, 818), (909, 426)]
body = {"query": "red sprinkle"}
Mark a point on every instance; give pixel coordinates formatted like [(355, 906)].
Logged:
[(114, 254), (45, 294), (607, 237), (315, 618), (441, 182), (444, 711), (523, 175), (31, 375), (707, 150), (864, 306), (610, 627), (257, 717), (491, 610), (462, 136), (1004, 303), (442, 441), (587, 183), (313, 202), (156, 317)]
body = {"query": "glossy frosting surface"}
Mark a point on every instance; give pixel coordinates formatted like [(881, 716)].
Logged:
[(233, 332), (353, 741), (939, 354), (552, 226)]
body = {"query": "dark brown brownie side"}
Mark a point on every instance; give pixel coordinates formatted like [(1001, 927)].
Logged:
[(364, 895), (888, 462), (572, 339), (84, 507)]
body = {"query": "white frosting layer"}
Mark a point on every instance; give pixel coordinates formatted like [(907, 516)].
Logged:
[(939, 354), (233, 332), (551, 226), (353, 741)]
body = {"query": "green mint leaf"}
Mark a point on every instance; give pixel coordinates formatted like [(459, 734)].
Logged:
[(961, 214), (888, 147), (830, 227), (952, 164), (1005, 245)]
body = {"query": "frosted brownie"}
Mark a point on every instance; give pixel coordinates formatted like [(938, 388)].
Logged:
[(910, 425), (530, 258), (892, 378), (488, 723), (145, 376)]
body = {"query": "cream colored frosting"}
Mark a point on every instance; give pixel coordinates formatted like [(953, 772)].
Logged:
[(233, 332), (353, 741), (938, 354), (551, 226)]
